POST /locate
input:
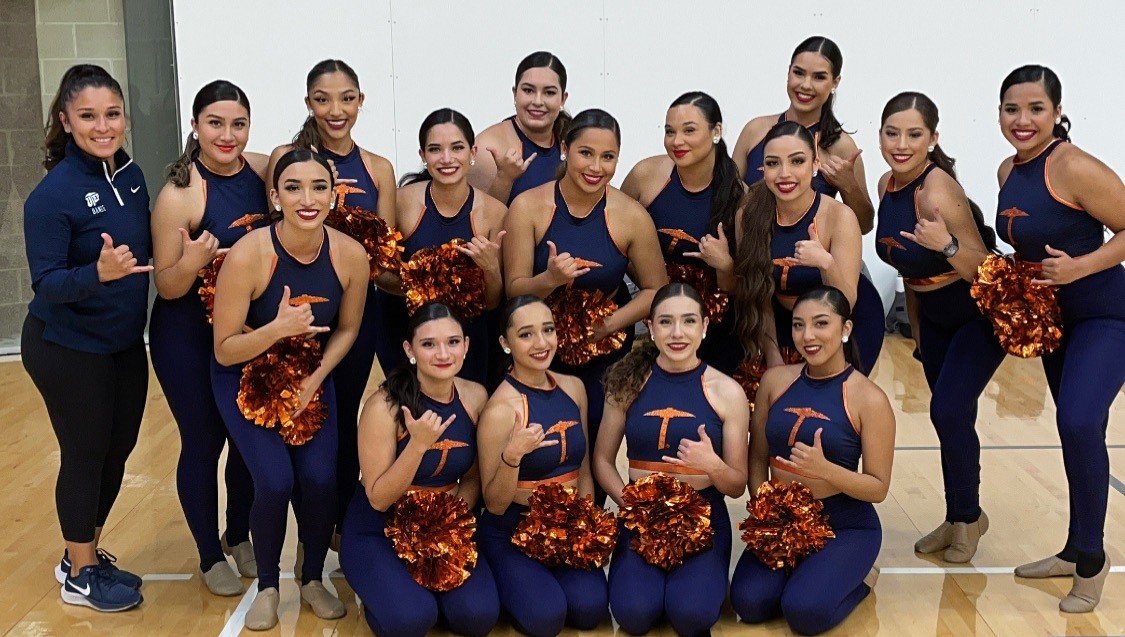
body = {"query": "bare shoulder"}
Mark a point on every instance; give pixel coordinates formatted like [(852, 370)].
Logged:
[(756, 128), (865, 394), (1005, 169), (1074, 163), (259, 163), (651, 169), (499, 134), (722, 386), (345, 246), (250, 250), (572, 386), (473, 395), (414, 193), (490, 208), (538, 199), (883, 182), (939, 187), (279, 151), (844, 146), (780, 377), (624, 205)]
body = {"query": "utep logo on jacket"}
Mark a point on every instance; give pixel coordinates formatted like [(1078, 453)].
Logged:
[(92, 199)]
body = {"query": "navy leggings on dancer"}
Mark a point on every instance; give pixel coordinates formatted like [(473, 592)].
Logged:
[(690, 595), (539, 599), (352, 372), (960, 353), (405, 608), (826, 586)]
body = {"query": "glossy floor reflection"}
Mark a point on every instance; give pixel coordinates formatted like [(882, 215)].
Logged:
[(1023, 493)]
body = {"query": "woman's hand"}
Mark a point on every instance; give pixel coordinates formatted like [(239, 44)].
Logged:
[(840, 172), (523, 440), (309, 386), (714, 250), (563, 268), (933, 235), (484, 252), (295, 320), (117, 262), (811, 252), (200, 251), (808, 460), (697, 454), (426, 429), (1059, 269), (511, 164)]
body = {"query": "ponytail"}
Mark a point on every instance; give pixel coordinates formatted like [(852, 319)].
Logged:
[(561, 126), (624, 379), (830, 127), (178, 172), (945, 163), (753, 292), (1062, 129), (308, 136), (74, 80)]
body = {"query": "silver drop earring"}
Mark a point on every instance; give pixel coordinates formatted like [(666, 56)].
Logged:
[(277, 207), (473, 162), (815, 172)]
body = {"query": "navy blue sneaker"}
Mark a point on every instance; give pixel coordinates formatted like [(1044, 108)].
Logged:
[(96, 588), (106, 561)]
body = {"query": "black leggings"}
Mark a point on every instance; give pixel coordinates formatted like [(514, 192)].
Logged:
[(95, 402)]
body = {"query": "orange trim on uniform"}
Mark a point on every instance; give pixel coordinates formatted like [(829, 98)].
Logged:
[(273, 265), (706, 394), (776, 464), (374, 179), (416, 224), (531, 484), (848, 411), (931, 280), (664, 467), (608, 229), (445, 488), (778, 397), (204, 180), (1055, 195)]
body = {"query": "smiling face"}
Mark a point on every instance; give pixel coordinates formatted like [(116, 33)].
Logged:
[(539, 98), (305, 194), (531, 336), (334, 100), (223, 129), (677, 328), (1027, 117), (787, 167), (447, 154), (810, 82), (439, 346), (95, 118), (591, 159), (904, 141), (688, 135), (818, 331)]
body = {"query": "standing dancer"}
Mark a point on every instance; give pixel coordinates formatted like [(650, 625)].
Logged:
[(294, 279), (214, 196), (86, 232), (1056, 202), (693, 192)]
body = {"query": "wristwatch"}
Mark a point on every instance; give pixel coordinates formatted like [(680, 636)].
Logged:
[(950, 248)]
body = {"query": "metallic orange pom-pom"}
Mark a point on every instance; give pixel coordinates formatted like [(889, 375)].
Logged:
[(210, 275), (750, 371), (670, 520), (1025, 315), (432, 532), (563, 528), (382, 242), (269, 390), (785, 524), (444, 274), (703, 279), (577, 313)]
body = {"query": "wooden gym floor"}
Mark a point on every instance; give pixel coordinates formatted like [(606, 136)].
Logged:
[(1022, 491)]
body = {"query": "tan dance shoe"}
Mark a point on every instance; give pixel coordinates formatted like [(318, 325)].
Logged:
[(936, 540), (1086, 592), (263, 611), (966, 537), (324, 605)]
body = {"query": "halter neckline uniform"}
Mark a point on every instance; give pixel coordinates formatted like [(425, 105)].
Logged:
[(395, 604), (959, 350), (539, 599), (181, 345), (824, 587), (541, 170), (668, 409), (276, 467), (756, 156), (589, 238), (1085, 373), (352, 372), (682, 218)]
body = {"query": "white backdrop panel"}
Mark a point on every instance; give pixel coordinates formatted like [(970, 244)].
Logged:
[(633, 57)]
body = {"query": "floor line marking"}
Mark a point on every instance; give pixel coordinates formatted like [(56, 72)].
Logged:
[(1116, 484), (166, 577), (961, 570), (237, 619)]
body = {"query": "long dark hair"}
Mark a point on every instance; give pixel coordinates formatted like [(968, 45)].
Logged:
[(835, 299), (401, 387), (76, 78), (298, 156), (589, 118), (830, 127), (754, 288), (929, 112), (309, 135), (547, 60), (624, 379), (440, 116), (1040, 74), (726, 184), (179, 171)]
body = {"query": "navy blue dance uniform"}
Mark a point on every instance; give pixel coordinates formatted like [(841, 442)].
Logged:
[(181, 343), (433, 229), (757, 154), (669, 408), (960, 352), (1085, 373), (826, 585), (677, 211), (589, 238), (82, 340), (353, 371), (791, 280), (394, 604), (541, 169), (540, 599), (278, 468)]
